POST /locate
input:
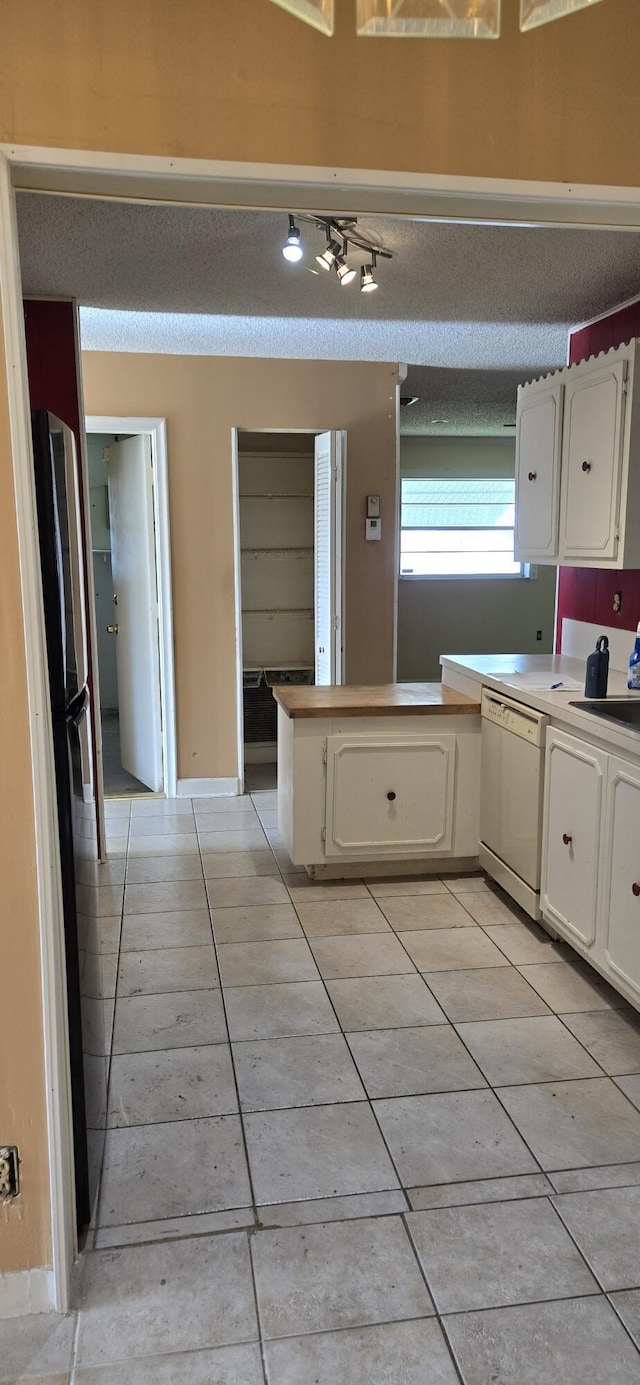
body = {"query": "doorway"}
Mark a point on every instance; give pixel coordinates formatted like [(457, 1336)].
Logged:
[(126, 465), (289, 552)]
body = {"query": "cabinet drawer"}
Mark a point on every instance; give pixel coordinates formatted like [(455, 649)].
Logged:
[(390, 797)]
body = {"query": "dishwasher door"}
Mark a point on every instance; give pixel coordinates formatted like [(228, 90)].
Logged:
[(512, 784)]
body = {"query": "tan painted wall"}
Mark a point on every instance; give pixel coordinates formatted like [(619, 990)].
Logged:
[(241, 79), (203, 397), (24, 1224)]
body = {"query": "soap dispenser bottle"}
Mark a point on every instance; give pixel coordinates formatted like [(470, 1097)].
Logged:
[(598, 669), (633, 680)]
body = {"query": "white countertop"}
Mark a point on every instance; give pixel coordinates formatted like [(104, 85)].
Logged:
[(528, 678)]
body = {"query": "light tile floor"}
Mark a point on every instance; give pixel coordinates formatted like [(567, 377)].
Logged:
[(384, 1133)]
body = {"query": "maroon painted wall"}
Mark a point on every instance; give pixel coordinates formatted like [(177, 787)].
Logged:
[(51, 360), (587, 593)]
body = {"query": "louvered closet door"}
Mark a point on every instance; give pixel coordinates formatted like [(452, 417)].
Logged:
[(330, 450)]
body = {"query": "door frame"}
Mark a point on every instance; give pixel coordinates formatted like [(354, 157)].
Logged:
[(443, 197), (156, 430), (237, 565)]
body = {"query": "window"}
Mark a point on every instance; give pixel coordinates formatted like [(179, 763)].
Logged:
[(458, 527)]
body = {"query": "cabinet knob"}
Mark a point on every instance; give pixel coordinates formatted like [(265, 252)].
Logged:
[(586, 466), (635, 889), (391, 795), (567, 839), (533, 475)]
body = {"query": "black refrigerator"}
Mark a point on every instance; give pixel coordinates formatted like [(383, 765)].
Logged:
[(63, 590)]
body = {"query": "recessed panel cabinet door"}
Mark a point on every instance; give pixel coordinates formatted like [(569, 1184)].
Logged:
[(575, 775), (538, 441), (621, 891), (592, 463), (390, 796)]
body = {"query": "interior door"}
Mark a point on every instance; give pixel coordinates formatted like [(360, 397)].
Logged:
[(135, 615), (330, 463)]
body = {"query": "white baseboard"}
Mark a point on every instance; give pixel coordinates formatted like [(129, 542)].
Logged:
[(208, 788), (28, 1291), (261, 753)]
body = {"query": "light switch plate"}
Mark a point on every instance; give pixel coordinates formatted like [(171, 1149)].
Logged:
[(372, 529), (373, 506)]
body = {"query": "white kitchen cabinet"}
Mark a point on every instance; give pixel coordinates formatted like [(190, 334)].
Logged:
[(392, 795), (578, 498), (620, 890), (592, 462), (538, 444), (335, 775), (575, 776)]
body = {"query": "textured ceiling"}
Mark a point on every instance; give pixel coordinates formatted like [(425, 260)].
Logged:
[(477, 307), (461, 401), (202, 260)]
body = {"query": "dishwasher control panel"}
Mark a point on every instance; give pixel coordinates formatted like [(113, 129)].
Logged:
[(513, 716)]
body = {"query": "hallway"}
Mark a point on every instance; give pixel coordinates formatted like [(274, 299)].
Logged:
[(350, 1140)]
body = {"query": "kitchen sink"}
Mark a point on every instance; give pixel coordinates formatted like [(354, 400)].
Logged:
[(624, 710)]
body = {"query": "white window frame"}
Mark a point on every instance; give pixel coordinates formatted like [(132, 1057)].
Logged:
[(472, 529)]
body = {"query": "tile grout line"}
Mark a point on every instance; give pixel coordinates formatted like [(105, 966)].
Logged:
[(245, 1146), (95, 1221)]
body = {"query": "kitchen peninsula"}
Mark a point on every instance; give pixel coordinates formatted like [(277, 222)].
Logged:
[(385, 777)]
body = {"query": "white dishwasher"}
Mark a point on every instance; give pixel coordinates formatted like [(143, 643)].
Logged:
[(511, 787)]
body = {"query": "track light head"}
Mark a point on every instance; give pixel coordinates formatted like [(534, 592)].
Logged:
[(329, 255), (346, 273), (367, 281), (292, 248)]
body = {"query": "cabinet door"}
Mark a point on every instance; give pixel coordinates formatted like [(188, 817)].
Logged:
[(621, 885), (592, 463), (575, 774), (538, 441), (389, 797)]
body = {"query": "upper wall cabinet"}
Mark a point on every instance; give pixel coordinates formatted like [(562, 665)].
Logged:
[(578, 464), (538, 443)]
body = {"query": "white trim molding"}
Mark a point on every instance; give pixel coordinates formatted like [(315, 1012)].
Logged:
[(157, 429), (355, 191), (48, 876), (27, 1291), (209, 788), (201, 183)]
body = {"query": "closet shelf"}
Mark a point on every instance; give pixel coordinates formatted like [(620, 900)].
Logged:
[(276, 552), (299, 611)]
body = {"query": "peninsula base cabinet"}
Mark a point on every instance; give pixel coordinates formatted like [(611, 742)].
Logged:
[(365, 790), (591, 857)]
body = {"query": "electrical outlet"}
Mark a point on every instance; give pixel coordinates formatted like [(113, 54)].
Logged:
[(617, 602), (9, 1163)]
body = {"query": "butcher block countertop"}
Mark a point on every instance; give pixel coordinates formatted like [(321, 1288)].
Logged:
[(386, 700)]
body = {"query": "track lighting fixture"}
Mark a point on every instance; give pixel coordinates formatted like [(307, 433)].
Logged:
[(367, 280), (292, 248), (342, 238), (330, 254)]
